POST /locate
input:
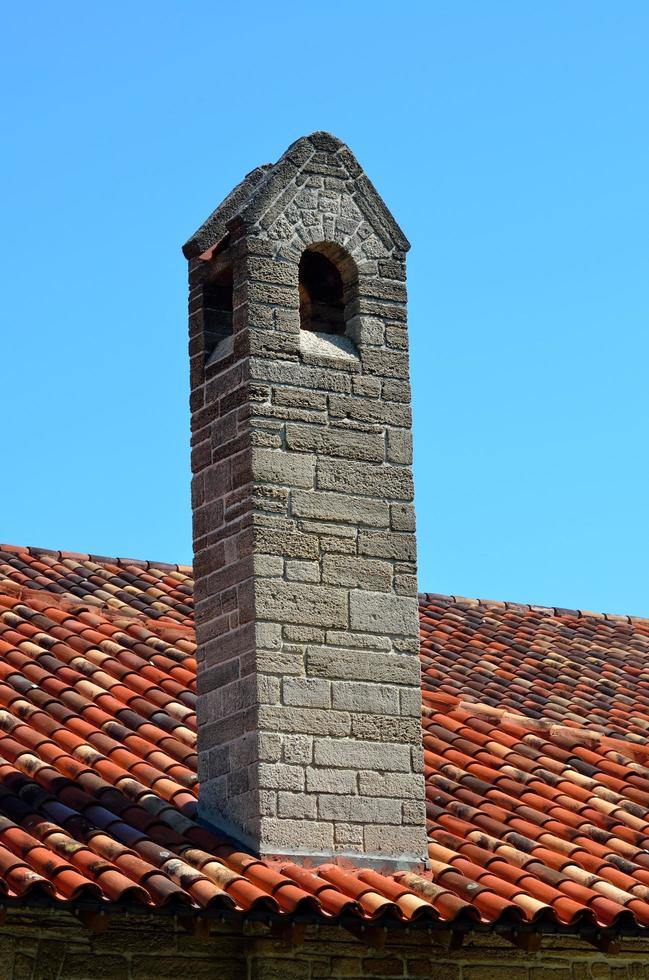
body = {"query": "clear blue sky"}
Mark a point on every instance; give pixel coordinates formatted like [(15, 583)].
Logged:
[(511, 141)]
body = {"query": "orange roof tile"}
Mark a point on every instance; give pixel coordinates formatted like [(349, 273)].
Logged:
[(534, 729)]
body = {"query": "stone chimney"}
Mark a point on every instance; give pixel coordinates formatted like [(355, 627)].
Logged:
[(304, 530)]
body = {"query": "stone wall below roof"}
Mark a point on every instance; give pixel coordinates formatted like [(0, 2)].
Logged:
[(44, 944)]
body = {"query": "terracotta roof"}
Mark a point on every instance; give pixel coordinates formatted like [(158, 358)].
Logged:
[(564, 665), (537, 766), (537, 770)]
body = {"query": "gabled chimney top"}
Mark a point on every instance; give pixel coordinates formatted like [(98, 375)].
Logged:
[(261, 186)]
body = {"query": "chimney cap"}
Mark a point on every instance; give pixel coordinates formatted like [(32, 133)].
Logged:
[(261, 187)]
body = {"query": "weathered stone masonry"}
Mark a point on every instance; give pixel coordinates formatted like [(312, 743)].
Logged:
[(40, 945), (305, 555)]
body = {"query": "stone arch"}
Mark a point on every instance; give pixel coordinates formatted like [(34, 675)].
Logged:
[(328, 288)]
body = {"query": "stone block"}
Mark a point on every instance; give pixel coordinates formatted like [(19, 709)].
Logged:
[(353, 572), (359, 641), (327, 780), (268, 688), (393, 840), (303, 571), (396, 391), (281, 662), (331, 544), (386, 728), (268, 294), (268, 636), (278, 775), (402, 517), (286, 373), (417, 754), (298, 806), (79, 965), (363, 665), (269, 413), (266, 440), (375, 612), (414, 811), (279, 466), (367, 386), (295, 602), (380, 699), (300, 398), (356, 809), (405, 786), (367, 446), (369, 410), (387, 482), (266, 803), (286, 543), (305, 721), (432, 969), (156, 967), (274, 967), (286, 835), (382, 966), (406, 644), (497, 971), (348, 837), (410, 700), (297, 750), (366, 330), (303, 634), (349, 754), (329, 506), (269, 746), (405, 585), (322, 529), (395, 545), (385, 363), (399, 446), (307, 692), (269, 566), (264, 269)]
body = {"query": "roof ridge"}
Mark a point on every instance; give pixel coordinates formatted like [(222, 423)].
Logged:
[(164, 566), (530, 607)]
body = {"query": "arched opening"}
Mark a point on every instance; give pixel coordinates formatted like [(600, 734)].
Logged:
[(322, 299), (217, 309)]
